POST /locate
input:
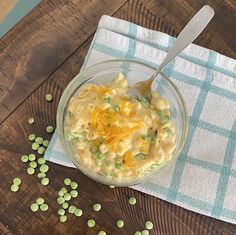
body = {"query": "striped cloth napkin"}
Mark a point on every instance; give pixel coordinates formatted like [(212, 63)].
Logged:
[(203, 178)]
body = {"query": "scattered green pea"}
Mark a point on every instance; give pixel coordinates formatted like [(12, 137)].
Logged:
[(91, 223), (120, 223), (60, 193), (31, 120), (97, 207), (63, 218), (145, 232), (49, 129), (14, 188), (39, 140), (132, 201), (41, 161), (65, 205), (45, 143), (24, 158), (33, 164), (40, 201), (31, 137), (35, 146), (17, 181), (32, 157), (41, 150), (34, 207), (74, 193), (73, 185), (60, 200), (45, 181), (41, 175), (61, 212), (64, 190), (67, 181), (44, 207), (137, 233), (148, 225), (102, 232), (48, 97), (30, 171), (71, 209), (78, 212), (67, 196), (44, 168)]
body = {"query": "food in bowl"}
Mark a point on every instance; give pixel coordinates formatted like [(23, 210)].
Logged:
[(119, 135)]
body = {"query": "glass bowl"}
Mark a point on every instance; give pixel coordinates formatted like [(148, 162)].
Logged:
[(103, 73)]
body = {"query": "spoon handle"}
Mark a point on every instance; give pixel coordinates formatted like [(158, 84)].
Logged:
[(190, 32)]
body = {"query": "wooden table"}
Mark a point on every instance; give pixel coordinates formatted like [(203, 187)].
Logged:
[(41, 55)]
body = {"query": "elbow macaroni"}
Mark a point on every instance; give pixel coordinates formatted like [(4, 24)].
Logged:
[(117, 135)]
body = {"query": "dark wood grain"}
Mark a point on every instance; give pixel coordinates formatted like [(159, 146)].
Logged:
[(15, 215)]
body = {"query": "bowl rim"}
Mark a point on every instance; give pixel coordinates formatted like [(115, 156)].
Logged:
[(98, 178)]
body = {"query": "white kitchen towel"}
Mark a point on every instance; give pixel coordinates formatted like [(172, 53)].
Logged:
[(203, 178)]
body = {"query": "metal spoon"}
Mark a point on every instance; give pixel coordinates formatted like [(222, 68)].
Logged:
[(190, 32)]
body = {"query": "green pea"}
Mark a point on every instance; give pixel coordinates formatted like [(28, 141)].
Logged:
[(63, 218), (137, 233), (35, 146), (148, 225), (31, 137), (145, 232), (118, 165), (30, 171), (73, 185), (67, 181), (61, 212), (41, 150), (44, 168), (40, 201), (41, 161), (120, 223), (24, 158), (45, 143), (14, 188), (116, 108), (74, 193), (78, 212), (71, 209), (60, 200), (34, 207), (33, 164), (97, 207), (44, 207), (39, 140), (60, 193), (17, 181), (65, 205), (67, 196), (31, 120), (41, 175), (91, 223), (45, 181), (64, 190), (32, 157), (49, 129), (101, 232), (132, 200), (48, 97)]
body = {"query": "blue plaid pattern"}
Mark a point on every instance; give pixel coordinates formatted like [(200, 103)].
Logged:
[(203, 178)]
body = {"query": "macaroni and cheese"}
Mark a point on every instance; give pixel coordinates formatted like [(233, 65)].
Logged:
[(119, 135)]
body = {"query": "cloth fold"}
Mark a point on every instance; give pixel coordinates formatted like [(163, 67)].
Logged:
[(203, 178)]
